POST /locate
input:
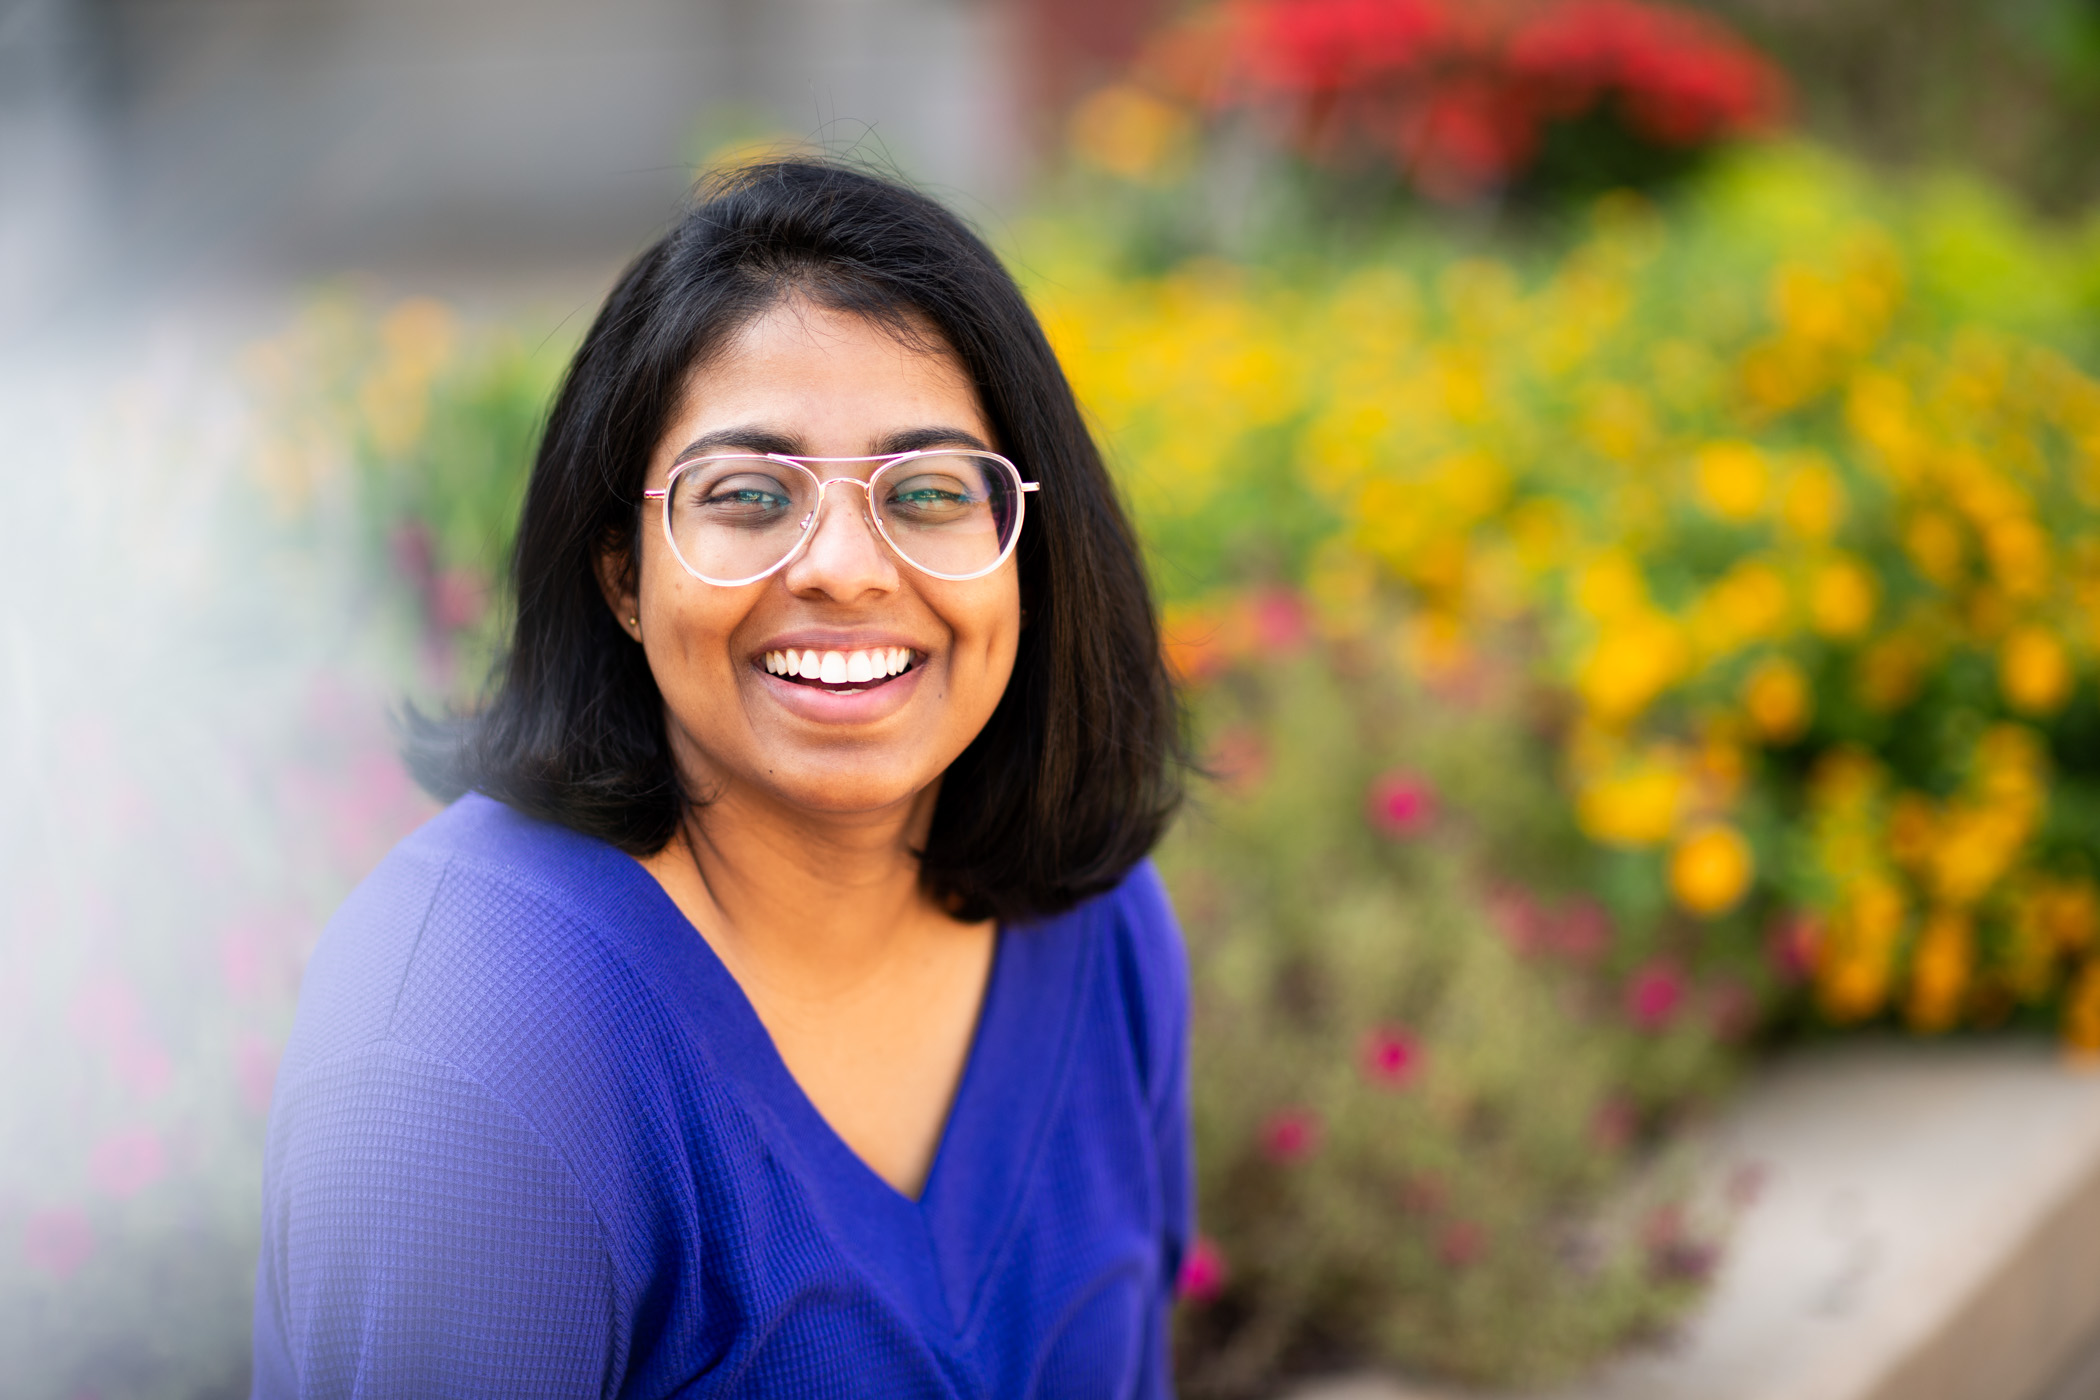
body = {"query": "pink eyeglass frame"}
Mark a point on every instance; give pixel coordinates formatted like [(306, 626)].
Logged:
[(874, 519)]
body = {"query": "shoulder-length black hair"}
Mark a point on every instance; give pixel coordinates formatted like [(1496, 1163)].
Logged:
[(1073, 778)]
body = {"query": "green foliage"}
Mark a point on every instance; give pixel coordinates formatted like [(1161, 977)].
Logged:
[(1428, 1100)]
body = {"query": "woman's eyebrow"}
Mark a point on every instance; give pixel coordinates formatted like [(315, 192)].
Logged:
[(742, 439), (918, 439)]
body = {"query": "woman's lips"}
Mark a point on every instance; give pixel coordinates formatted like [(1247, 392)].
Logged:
[(847, 701)]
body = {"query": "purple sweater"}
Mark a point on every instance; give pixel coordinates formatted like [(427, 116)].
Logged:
[(530, 1139)]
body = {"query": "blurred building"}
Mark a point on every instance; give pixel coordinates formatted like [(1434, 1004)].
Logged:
[(157, 147)]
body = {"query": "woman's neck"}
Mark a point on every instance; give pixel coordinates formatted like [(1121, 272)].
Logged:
[(810, 905)]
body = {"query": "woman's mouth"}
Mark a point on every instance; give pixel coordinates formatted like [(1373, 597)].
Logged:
[(841, 672)]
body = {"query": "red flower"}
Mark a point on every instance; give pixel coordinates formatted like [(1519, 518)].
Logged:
[(1291, 1135), (1203, 1273), (1654, 994), (1402, 805), (1462, 1243), (1457, 95), (1791, 945), (1391, 1057)]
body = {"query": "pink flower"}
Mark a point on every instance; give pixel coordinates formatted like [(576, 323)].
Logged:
[(1654, 994), (1278, 621), (1423, 1194), (1616, 1122), (1462, 1243), (126, 1163), (108, 1016), (1240, 760), (58, 1240), (458, 599), (1391, 1057), (1291, 1135), (1791, 945), (255, 1070), (1203, 1273), (1402, 804), (1584, 931), (1522, 919), (1733, 1009)]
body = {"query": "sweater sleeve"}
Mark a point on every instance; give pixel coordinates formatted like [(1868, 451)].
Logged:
[(420, 1239)]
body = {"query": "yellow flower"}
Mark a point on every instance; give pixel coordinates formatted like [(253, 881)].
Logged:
[(1128, 131), (2068, 912), (1611, 586), (1854, 963), (1749, 603), (1879, 411), (1913, 830), (2082, 1011), (1812, 502), (1732, 479), (1778, 701), (1940, 970), (1635, 807), (2034, 670), (2019, 554), (1889, 673), (1934, 542), (1711, 870), (1842, 597), (1637, 659)]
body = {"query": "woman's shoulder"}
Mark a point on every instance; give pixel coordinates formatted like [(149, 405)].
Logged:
[(1143, 966), (481, 931)]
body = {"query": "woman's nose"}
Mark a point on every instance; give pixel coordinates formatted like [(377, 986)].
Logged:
[(845, 557)]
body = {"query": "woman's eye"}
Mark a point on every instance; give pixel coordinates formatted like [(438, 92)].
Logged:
[(932, 496)]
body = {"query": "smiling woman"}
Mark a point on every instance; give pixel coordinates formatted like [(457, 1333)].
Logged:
[(784, 1004)]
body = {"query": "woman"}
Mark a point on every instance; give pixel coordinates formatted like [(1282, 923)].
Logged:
[(785, 1007)]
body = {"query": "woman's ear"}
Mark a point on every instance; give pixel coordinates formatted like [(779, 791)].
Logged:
[(618, 580)]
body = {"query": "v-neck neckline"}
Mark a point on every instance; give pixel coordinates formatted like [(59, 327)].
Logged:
[(940, 1248)]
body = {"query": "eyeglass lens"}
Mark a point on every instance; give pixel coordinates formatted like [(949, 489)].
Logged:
[(952, 513)]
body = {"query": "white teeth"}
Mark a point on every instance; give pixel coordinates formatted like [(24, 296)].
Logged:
[(841, 667)]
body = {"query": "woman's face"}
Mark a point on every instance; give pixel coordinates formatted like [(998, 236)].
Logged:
[(805, 381)]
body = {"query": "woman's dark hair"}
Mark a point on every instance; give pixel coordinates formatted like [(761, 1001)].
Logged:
[(1078, 769)]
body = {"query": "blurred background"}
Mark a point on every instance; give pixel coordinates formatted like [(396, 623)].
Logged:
[(1623, 480)]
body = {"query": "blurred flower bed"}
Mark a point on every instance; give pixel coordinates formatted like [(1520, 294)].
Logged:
[(1749, 544), (1791, 496)]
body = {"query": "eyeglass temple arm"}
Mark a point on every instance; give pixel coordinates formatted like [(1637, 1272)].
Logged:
[(657, 493)]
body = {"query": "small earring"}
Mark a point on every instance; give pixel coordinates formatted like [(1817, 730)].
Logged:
[(634, 622)]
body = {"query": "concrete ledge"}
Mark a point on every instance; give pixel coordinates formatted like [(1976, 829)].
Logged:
[(1929, 1230)]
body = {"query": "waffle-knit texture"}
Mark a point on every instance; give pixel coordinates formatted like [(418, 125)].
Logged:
[(531, 1140)]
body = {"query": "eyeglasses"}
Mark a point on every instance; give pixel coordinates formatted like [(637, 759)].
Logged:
[(737, 518)]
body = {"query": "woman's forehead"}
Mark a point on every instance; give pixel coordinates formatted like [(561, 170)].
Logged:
[(810, 372)]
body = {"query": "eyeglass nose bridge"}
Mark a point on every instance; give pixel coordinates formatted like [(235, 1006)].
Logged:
[(808, 526)]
